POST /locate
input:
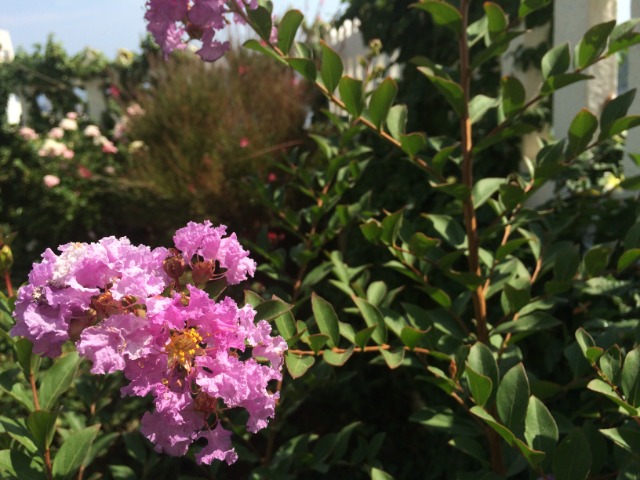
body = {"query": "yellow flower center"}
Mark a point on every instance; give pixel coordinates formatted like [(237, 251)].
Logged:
[(183, 347)]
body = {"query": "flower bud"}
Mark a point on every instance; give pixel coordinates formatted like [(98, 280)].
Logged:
[(105, 305), (174, 265), (6, 258)]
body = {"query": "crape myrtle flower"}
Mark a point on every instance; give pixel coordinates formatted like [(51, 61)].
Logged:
[(173, 22), (133, 309)]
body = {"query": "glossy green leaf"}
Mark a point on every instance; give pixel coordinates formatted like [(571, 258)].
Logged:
[(73, 451), (479, 105), (330, 67), (529, 6), (449, 89), (393, 357), (377, 474), (556, 61), (286, 325), (449, 229), (625, 437), (605, 389), (411, 336), (297, 365), (593, 44), (480, 385), (252, 298), (630, 379), (373, 317), (623, 36), (381, 101), (566, 263), (42, 425), (485, 416), (304, 66), (512, 398), (497, 19), (614, 110), (261, 21), (556, 82), (351, 94), (57, 379), (611, 364), (412, 143), (517, 298), (28, 361), (484, 189), (511, 131), (540, 431), (533, 322), (337, 359), (391, 227), (16, 464), (362, 337), (512, 96), (443, 14), (397, 120), (628, 258), (581, 131), (481, 360), (271, 309), (287, 29), (624, 124), (316, 341), (572, 458), (255, 45), (372, 230), (326, 319)]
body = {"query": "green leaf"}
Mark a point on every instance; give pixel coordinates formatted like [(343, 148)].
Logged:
[(516, 130), (581, 131), (481, 360), (393, 357), (372, 230), (261, 21), (326, 319), (627, 438), (484, 189), (534, 322), (337, 359), (631, 377), (628, 258), (512, 96), (330, 67), (443, 14), (316, 341), (26, 359), (412, 143), (556, 82), (572, 458), (480, 385), (556, 61), (57, 379), (397, 120), (297, 365), (381, 101), (485, 416), (449, 89), (420, 244), (391, 227), (512, 398), (362, 337), (255, 45), (42, 425), (20, 466), (449, 229), (540, 431), (623, 36), (632, 238), (73, 451), (287, 29), (611, 364), (596, 260), (252, 298), (377, 474), (593, 44), (528, 6), (351, 95), (624, 124), (614, 110), (373, 317), (286, 325), (411, 336), (517, 298), (603, 388), (304, 66), (271, 309), (479, 105), (497, 19)]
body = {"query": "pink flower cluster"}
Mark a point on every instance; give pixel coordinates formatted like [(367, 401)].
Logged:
[(137, 310), (170, 21)]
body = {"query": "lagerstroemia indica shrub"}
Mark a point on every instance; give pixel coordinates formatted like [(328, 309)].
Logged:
[(140, 311)]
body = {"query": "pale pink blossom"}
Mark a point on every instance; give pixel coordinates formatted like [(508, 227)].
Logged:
[(51, 181), (72, 115), (56, 133), (244, 142), (68, 124), (92, 131), (28, 133)]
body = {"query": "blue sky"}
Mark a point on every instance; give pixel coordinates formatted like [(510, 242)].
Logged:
[(103, 24)]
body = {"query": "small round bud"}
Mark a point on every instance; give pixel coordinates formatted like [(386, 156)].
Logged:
[(6, 258), (174, 265), (202, 272)]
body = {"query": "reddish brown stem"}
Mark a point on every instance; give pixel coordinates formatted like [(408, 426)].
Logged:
[(36, 404), (7, 282), (374, 348)]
